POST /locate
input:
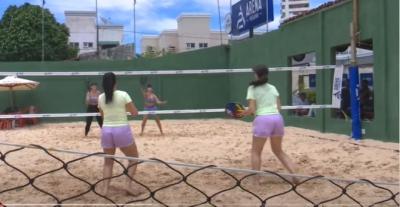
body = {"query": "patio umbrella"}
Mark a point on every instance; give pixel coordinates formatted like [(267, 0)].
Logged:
[(13, 83)]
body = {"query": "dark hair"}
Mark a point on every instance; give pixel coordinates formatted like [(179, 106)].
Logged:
[(262, 73), (149, 86), (109, 81)]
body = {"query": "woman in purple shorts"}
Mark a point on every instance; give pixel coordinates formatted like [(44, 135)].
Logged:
[(150, 104), (264, 102), (116, 132)]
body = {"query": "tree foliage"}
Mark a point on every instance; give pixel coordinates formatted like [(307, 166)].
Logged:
[(21, 35)]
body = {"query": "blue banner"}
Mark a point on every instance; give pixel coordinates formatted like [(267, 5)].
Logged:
[(248, 14)]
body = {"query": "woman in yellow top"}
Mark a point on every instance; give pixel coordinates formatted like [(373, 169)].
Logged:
[(116, 132), (263, 100)]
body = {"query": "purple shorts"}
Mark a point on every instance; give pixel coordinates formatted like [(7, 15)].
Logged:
[(265, 126), (150, 108), (113, 137)]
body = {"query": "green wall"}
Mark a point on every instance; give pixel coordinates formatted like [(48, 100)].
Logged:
[(319, 33), (67, 94)]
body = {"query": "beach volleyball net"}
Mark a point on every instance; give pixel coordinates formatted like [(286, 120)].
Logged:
[(144, 77), (171, 183)]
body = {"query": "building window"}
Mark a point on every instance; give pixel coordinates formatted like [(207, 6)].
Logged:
[(88, 45), (203, 45), (74, 44), (171, 49), (190, 45), (150, 49)]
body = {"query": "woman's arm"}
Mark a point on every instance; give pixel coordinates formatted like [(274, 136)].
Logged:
[(87, 98), (158, 100), (101, 113), (131, 108), (251, 109), (278, 104)]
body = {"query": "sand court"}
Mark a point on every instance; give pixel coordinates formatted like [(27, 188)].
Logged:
[(220, 142)]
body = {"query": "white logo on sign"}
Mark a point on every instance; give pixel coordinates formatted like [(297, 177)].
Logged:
[(253, 7), (241, 21)]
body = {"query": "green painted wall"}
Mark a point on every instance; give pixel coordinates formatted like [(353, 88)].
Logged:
[(66, 94), (319, 33)]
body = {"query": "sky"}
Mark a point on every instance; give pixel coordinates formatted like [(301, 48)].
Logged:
[(152, 16)]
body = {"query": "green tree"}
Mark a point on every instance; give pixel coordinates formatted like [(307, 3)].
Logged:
[(21, 35)]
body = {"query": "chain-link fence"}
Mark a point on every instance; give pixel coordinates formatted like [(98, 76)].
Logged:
[(57, 180)]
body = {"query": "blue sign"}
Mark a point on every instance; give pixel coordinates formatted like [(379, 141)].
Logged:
[(248, 14)]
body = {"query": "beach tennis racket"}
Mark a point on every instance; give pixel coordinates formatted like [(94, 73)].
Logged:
[(234, 110)]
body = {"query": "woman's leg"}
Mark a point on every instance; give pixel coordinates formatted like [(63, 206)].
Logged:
[(145, 117), (88, 121), (108, 168), (256, 150), (276, 146), (131, 151), (158, 121)]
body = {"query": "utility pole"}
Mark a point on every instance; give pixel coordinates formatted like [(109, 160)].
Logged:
[(134, 28), (266, 13), (220, 26), (230, 8), (354, 32), (97, 33), (354, 76), (43, 2)]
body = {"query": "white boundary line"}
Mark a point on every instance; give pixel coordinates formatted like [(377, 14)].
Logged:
[(196, 166), (185, 111), (164, 72)]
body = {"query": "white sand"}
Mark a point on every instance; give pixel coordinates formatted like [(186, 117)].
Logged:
[(208, 142)]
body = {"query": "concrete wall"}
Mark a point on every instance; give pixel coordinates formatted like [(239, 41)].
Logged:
[(82, 28), (122, 52), (109, 33), (192, 28)]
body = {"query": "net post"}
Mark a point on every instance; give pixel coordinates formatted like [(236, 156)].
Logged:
[(355, 103)]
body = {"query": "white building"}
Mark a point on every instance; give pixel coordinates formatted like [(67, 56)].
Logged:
[(193, 32), (292, 8), (83, 34)]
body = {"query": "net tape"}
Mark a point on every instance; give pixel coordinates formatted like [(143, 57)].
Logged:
[(151, 194), (165, 72), (184, 111)]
